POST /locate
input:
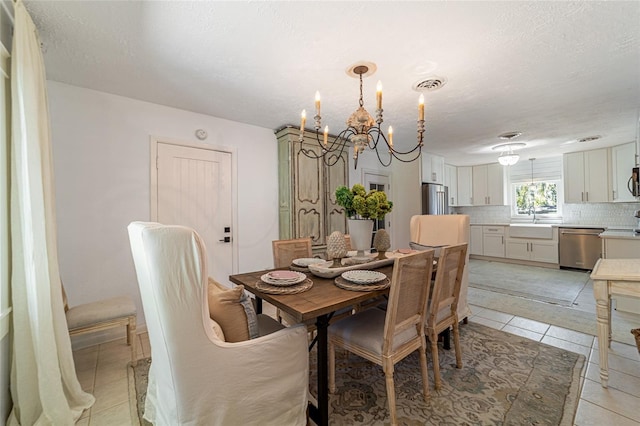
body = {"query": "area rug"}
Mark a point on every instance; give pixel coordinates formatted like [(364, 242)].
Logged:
[(505, 380), (560, 287)]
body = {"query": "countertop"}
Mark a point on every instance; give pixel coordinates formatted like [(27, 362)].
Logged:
[(564, 225), (620, 234)]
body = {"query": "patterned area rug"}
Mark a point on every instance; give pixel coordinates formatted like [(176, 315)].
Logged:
[(505, 380)]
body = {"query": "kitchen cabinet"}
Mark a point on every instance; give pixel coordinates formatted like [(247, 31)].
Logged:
[(488, 185), (475, 238), (432, 168), (465, 185), (493, 241), (451, 182), (586, 176), (306, 199), (622, 161), (533, 250)]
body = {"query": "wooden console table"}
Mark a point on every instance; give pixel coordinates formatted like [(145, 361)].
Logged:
[(611, 276)]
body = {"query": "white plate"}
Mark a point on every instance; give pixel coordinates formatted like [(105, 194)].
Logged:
[(363, 276), (306, 261), (267, 278), (284, 275)]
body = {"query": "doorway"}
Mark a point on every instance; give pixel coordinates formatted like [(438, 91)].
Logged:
[(191, 185), (380, 182)]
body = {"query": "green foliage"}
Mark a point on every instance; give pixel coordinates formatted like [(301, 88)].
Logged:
[(358, 203), (541, 197)]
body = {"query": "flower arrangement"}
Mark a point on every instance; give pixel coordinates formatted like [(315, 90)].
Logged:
[(358, 204)]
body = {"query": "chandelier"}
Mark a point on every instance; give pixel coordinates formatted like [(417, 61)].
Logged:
[(507, 156), (362, 130)]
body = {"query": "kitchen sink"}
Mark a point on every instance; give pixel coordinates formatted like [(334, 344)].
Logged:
[(531, 230)]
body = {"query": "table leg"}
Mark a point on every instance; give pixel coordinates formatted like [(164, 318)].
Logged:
[(321, 414), (258, 305), (603, 310)]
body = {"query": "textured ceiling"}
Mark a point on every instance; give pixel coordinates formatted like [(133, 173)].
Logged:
[(556, 71)]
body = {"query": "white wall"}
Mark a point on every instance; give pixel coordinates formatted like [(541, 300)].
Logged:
[(101, 165)]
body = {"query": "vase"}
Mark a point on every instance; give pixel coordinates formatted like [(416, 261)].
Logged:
[(360, 231)]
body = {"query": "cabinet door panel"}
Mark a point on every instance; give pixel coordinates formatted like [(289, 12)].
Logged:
[(596, 176), (493, 245), (544, 252), (480, 185), (517, 249), (622, 161), (495, 184), (574, 177), (465, 182)]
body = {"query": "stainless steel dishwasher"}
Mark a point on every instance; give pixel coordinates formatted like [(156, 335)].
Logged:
[(580, 248)]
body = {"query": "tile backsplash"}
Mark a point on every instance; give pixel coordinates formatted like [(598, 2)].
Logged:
[(601, 214)]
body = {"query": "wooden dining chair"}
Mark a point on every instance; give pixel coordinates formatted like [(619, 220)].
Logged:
[(285, 251), (443, 304), (387, 337)]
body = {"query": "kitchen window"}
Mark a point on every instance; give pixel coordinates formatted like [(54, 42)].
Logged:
[(536, 189)]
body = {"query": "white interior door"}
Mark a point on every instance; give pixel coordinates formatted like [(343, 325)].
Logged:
[(194, 189)]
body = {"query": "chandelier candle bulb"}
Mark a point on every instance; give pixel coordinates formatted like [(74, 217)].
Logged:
[(326, 135), (379, 94), (303, 119), (317, 103), (421, 107), (390, 137)]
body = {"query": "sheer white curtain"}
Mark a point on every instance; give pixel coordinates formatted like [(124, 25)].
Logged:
[(44, 385)]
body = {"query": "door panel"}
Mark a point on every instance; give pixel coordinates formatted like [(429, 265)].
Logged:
[(194, 190)]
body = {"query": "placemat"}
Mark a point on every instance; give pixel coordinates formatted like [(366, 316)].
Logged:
[(347, 285), (292, 289)]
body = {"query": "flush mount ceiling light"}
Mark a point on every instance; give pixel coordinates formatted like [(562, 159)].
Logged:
[(507, 156), (590, 138), (362, 130)]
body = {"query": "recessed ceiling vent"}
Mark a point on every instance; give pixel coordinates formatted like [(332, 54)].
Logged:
[(590, 138), (509, 135), (430, 84)]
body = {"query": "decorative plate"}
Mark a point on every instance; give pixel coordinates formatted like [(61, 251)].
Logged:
[(363, 276), (293, 289), (291, 278), (346, 285), (306, 261)]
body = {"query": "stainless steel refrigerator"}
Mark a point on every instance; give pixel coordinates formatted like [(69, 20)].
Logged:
[(435, 199)]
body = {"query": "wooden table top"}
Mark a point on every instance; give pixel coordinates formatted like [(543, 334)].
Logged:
[(321, 299)]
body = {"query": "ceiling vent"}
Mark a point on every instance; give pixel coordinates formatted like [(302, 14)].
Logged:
[(590, 138), (430, 84), (509, 135)]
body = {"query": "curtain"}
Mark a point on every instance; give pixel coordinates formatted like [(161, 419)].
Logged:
[(44, 386)]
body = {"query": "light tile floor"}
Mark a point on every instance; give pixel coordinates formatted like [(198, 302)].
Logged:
[(102, 370)]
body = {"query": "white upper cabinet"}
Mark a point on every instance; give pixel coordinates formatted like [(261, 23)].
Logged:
[(586, 177), (488, 185), (432, 168), (622, 161), (465, 184), (451, 182)]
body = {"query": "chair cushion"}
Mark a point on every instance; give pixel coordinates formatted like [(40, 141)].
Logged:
[(233, 311), (366, 330), (100, 311)]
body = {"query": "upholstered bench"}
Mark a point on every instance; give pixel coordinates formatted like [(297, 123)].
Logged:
[(104, 314)]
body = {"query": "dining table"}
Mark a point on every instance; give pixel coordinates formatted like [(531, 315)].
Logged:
[(319, 303)]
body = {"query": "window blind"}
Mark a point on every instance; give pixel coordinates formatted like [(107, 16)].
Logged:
[(544, 169)]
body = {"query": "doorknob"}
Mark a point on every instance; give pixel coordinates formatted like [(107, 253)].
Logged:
[(225, 240)]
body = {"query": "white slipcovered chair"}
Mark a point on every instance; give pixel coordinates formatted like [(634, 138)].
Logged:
[(195, 378), (445, 230)]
